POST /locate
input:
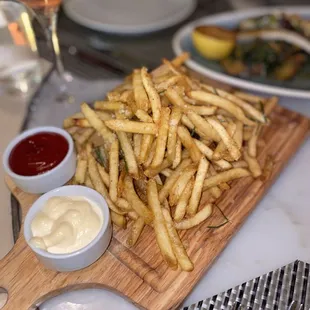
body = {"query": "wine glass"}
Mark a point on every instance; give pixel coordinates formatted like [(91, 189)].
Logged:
[(47, 12)]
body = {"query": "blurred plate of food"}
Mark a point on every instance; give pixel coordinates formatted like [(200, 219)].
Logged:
[(129, 17), (262, 49)]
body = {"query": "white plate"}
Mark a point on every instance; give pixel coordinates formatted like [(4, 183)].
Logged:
[(129, 16), (182, 42)]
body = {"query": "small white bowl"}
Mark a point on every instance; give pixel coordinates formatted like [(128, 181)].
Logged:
[(83, 257), (48, 180)]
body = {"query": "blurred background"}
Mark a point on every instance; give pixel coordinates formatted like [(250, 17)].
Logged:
[(125, 52)]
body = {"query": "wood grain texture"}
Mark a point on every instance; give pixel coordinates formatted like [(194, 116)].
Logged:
[(139, 273)]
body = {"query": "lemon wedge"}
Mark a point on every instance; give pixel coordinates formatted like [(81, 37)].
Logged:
[(214, 42)]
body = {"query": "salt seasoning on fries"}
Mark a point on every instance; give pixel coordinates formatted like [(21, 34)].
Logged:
[(163, 147)]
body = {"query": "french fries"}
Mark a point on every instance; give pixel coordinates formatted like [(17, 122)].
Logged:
[(130, 159), (97, 123), (198, 185), (181, 183), (152, 94), (225, 176), (142, 101), (164, 192), (203, 128), (131, 126), (159, 142), (81, 170), (253, 164), (113, 170), (177, 245), (181, 206), (247, 108), (189, 144), (135, 231), (198, 218), (137, 205), (174, 120), (227, 140), (162, 236), (221, 103)]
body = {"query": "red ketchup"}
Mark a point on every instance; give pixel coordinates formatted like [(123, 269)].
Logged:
[(38, 153)]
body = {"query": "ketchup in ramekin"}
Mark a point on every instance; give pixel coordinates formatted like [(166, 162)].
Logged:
[(38, 153)]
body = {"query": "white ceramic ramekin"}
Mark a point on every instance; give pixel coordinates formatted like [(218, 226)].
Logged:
[(49, 180), (85, 256)]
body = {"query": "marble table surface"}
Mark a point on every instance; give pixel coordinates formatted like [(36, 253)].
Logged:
[(275, 234)]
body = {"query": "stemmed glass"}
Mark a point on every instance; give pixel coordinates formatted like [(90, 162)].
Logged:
[(47, 12)]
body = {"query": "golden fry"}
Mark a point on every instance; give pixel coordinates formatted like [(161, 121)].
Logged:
[(151, 172), (104, 175), (143, 116), (118, 220), (152, 94), (137, 205), (130, 159), (97, 123), (205, 150), (225, 176), (113, 170), (135, 232), (132, 126), (181, 183), (240, 164), (146, 145), (202, 127), (161, 140), (151, 154), (97, 181), (215, 191), (198, 218), (166, 172), (123, 204), (252, 143), (142, 101), (164, 192), (109, 105), (189, 144), (247, 108), (221, 147), (175, 118), (198, 185), (81, 170), (249, 97), (162, 236), (254, 166), (181, 206), (225, 104), (270, 104), (177, 245), (229, 142), (162, 86), (178, 152), (137, 144)]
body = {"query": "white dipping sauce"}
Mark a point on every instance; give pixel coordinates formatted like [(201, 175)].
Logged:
[(66, 224)]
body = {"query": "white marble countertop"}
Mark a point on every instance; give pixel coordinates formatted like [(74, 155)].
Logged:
[(275, 234)]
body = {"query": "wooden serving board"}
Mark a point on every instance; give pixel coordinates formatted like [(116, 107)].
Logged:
[(139, 273)]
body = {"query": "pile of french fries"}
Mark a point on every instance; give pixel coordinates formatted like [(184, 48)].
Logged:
[(158, 143)]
